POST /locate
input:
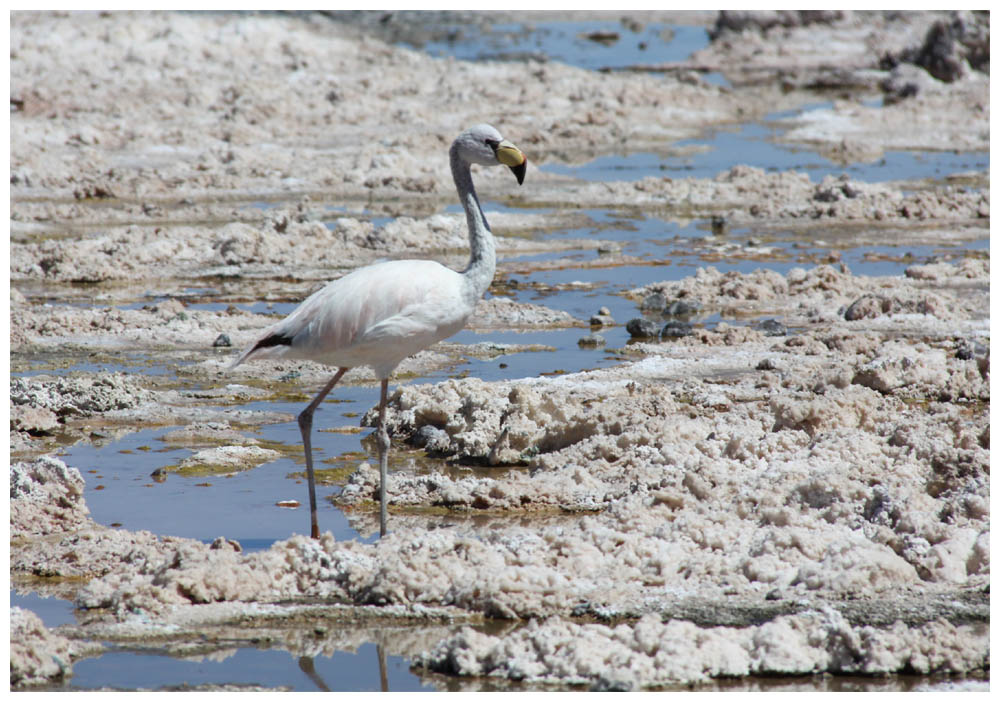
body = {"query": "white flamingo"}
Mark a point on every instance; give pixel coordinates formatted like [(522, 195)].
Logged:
[(378, 315)]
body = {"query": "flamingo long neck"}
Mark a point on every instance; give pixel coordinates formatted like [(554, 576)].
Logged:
[(483, 260)]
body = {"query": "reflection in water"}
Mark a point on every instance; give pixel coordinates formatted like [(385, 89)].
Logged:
[(382, 672), (306, 666)]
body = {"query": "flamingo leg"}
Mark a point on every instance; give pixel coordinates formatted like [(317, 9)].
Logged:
[(382, 437), (305, 426)]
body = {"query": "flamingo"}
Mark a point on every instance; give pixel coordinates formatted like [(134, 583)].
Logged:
[(378, 315)]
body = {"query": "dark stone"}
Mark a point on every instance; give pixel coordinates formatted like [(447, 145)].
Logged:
[(603, 684), (591, 341), (640, 327), (767, 364), (675, 330), (719, 225), (430, 437), (772, 327), (868, 307), (655, 302), (683, 308), (222, 340)]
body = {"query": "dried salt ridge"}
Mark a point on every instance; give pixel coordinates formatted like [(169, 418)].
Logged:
[(940, 298), (43, 406), (305, 250), (759, 486), (50, 411), (272, 133), (167, 324), (46, 497), (271, 137), (745, 194), (924, 63), (171, 324), (37, 655), (650, 653)]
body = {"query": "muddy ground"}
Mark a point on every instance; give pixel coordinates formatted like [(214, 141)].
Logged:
[(731, 501)]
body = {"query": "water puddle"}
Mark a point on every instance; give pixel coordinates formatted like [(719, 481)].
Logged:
[(366, 669), (758, 145), (595, 45), (53, 611)]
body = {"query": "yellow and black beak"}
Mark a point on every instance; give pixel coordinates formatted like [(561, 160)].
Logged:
[(511, 156)]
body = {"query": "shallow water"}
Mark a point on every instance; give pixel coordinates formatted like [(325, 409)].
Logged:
[(241, 506), (756, 145), (358, 671), (595, 45)]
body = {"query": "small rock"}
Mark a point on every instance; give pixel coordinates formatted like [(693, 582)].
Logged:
[(222, 340), (222, 542), (431, 438), (772, 327), (868, 307), (719, 225), (602, 320), (767, 364), (640, 327), (683, 308), (654, 301), (607, 38), (591, 341), (604, 684), (675, 330), (38, 421)]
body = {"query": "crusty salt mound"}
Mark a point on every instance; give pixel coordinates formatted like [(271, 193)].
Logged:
[(46, 497), (37, 655), (650, 653)]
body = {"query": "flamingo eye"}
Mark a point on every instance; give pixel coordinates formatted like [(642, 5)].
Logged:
[(492, 143)]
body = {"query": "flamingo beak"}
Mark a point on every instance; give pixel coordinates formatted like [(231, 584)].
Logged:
[(511, 156)]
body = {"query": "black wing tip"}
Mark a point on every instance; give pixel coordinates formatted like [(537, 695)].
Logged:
[(272, 340)]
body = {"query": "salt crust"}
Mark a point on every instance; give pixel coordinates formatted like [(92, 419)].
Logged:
[(37, 655), (819, 479), (46, 497), (705, 476), (650, 653)]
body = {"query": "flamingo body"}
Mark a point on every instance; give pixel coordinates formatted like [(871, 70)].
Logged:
[(378, 315), (374, 316)]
